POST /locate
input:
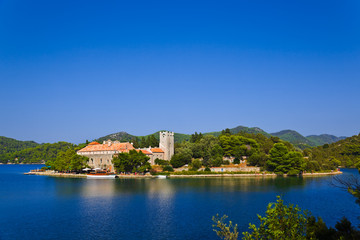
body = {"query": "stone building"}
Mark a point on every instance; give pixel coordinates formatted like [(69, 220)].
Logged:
[(167, 144), (101, 155)]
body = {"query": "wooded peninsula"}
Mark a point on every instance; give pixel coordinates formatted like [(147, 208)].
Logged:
[(200, 151)]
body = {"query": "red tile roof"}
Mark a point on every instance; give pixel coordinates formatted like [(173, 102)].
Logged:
[(94, 143), (121, 147), (157, 150), (144, 151)]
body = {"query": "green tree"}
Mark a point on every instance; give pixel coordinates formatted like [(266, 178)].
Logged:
[(258, 159), (182, 157), (277, 155), (216, 161), (77, 162), (195, 165), (281, 222), (224, 230), (133, 161)]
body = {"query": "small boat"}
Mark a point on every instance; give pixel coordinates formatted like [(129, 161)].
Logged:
[(161, 176), (101, 175)]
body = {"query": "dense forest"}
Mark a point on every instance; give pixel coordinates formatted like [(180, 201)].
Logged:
[(35, 153), (345, 153), (9, 146), (268, 152)]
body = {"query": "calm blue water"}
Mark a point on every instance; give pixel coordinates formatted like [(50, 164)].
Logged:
[(38, 207)]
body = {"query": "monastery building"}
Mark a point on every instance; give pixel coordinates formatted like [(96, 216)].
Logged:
[(101, 155)]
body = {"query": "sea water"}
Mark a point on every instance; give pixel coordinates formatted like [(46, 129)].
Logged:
[(41, 207)]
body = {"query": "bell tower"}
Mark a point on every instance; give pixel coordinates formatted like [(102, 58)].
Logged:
[(167, 144)]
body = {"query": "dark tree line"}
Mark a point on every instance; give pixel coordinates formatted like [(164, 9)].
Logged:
[(144, 142)]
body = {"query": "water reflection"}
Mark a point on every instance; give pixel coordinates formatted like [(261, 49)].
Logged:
[(154, 208), (166, 188)]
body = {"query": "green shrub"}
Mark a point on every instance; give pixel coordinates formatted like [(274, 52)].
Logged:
[(168, 168), (236, 161), (195, 165), (161, 162), (207, 169), (293, 172), (226, 162)]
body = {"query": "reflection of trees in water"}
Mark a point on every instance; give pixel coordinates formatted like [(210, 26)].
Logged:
[(166, 188), (262, 184)]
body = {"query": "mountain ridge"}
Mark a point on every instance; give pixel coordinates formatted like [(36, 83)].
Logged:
[(291, 136)]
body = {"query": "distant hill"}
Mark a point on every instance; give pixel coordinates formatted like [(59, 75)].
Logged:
[(126, 137), (10, 145), (293, 137), (345, 152), (120, 136), (29, 151), (287, 135), (178, 137), (319, 140), (238, 129)]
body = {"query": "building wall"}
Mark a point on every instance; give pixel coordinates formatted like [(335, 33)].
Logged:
[(100, 160), (155, 156), (167, 144)]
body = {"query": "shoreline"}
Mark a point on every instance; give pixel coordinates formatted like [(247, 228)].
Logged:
[(254, 175), (226, 175)]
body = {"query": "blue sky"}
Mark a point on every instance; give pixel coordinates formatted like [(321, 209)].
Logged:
[(73, 71)]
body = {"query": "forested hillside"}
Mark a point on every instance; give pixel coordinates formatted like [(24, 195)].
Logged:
[(345, 152), (319, 140), (126, 137), (291, 136), (9, 145), (40, 153)]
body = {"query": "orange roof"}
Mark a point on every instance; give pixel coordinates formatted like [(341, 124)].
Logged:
[(122, 147), (157, 150), (94, 143), (144, 151)]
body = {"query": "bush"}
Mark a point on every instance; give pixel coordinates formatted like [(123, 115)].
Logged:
[(195, 165), (181, 158), (293, 172), (168, 168), (216, 162), (207, 169), (226, 162), (153, 172), (236, 161), (161, 162)]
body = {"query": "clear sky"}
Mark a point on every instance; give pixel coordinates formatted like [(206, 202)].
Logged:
[(77, 70)]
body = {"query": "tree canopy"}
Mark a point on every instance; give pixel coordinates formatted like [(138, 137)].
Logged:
[(134, 161)]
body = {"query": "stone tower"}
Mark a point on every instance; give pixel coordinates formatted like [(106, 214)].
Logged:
[(167, 144)]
